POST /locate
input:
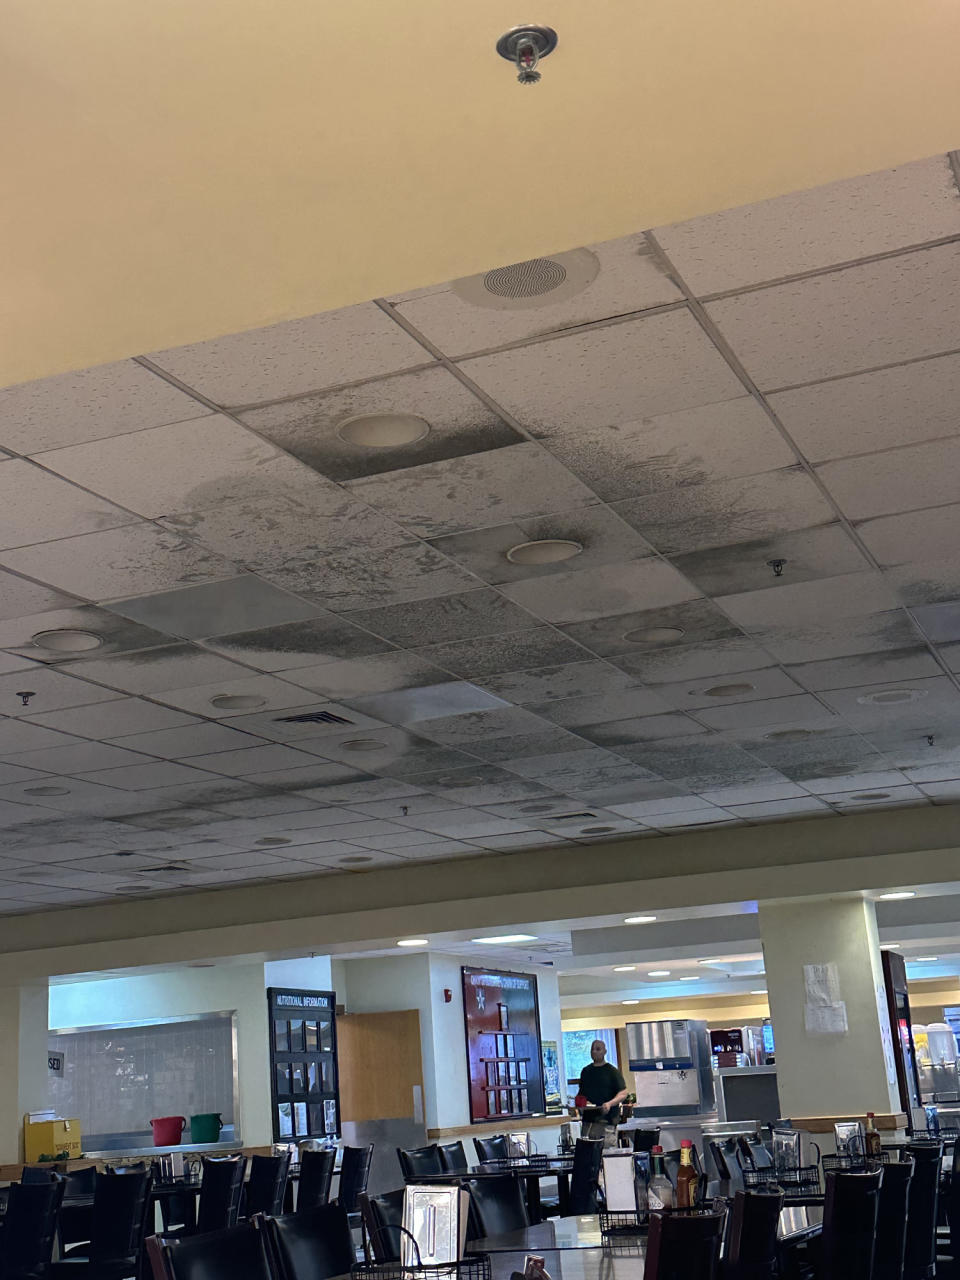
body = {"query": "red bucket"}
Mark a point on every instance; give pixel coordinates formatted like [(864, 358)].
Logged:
[(168, 1130)]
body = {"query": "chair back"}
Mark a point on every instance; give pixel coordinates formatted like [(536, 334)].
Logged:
[(354, 1173), (719, 1158), (120, 1204), (419, 1160), (239, 1253), (453, 1157), (498, 1204), (312, 1245), (585, 1177), (645, 1139), (920, 1252), (382, 1219), (29, 1228), (35, 1175), (495, 1148), (850, 1225), (221, 1187), (266, 1185), (316, 1175), (752, 1242), (891, 1237), (683, 1246)]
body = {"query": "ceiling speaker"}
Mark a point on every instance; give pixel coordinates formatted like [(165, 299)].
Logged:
[(538, 282)]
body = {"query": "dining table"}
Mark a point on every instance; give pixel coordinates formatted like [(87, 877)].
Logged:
[(531, 1170)]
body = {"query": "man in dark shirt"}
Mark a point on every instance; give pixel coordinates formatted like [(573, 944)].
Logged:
[(603, 1087)]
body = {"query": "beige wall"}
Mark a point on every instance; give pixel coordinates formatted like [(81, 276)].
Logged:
[(716, 1011)]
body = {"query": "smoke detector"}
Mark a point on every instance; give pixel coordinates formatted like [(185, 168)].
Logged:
[(538, 282)]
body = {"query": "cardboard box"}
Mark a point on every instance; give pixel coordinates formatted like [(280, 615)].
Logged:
[(50, 1138)]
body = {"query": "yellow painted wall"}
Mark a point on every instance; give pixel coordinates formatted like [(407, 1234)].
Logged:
[(717, 1011)]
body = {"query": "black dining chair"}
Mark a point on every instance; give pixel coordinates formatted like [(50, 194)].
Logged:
[(453, 1157), (382, 1217), (644, 1140), (354, 1174), (266, 1185), (920, 1253), (498, 1205), (585, 1176), (316, 1176), (849, 1225), (311, 1245), (35, 1175), (751, 1252), (419, 1160), (891, 1238), (239, 1253), (76, 1219), (495, 1148), (121, 1203), (29, 1229), (683, 1246)]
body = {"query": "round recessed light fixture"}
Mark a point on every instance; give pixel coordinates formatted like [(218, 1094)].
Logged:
[(383, 430), (544, 551), (629, 1001), (413, 942), (363, 744), (354, 859), (922, 959), (891, 697), (46, 791), (695, 977), (237, 702), (624, 968), (67, 641), (726, 690), (658, 973), (639, 919), (596, 831), (758, 992), (654, 635), (268, 840), (870, 795), (898, 895)]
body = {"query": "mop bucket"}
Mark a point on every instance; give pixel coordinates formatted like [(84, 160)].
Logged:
[(168, 1130), (206, 1127)]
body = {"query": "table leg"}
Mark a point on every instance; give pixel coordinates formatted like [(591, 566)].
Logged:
[(563, 1193), (533, 1199)]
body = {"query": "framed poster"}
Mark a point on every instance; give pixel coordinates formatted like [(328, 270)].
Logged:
[(501, 1022), (552, 1097), (303, 1064)]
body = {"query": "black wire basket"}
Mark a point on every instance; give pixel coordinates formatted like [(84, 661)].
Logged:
[(475, 1266), (622, 1224), (796, 1184), (856, 1162)]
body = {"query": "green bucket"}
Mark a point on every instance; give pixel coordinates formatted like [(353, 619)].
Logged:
[(206, 1127)]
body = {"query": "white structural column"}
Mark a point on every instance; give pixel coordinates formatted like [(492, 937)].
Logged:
[(827, 1005), (23, 1062)]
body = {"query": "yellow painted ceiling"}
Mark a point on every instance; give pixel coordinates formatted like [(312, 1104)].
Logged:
[(181, 170)]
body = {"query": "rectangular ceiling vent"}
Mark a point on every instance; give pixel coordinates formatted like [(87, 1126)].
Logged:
[(314, 717)]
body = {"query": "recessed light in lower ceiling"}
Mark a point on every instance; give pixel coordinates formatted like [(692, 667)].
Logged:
[(506, 938), (658, 973), (891, 697), (897, 895), (67, 641), (413, 942), (624, 968), (691, 978), (870, 795), (268, 840), (654, 635), (383, 430), (354, 859), (639, 919), (629, 1001), (237, 702), (727, 690), (46, 791), (596, 831), (758, 992), (544, 551), (921, 959)]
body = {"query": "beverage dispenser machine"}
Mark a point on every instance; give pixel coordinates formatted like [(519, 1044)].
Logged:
[(671, 1066)]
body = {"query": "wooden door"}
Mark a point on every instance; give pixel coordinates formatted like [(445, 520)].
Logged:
[(381, 1070)]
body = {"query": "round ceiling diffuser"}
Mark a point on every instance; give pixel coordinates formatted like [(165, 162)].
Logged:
[(538, 282)]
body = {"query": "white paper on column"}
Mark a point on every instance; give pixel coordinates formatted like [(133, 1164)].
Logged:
[(886, 1036), (825, 1019), (821, 984)]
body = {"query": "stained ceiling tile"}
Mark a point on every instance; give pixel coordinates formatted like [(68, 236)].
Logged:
[(838, 638), (840, 222), (545, 684), (602, 535), (112, 719), (712, 817), (930, 582), (850, 595), (951, 656), (389, 750), (109, 400), (649, 809), (913, 536), (801, 708), (175, 666), (352, 678), (49, 691), (20, 598), (550, 738), (196, 738), (628, 279), (772, 810), (940, 622), (617, 374), (920, 475), (77, 795), (689, 446), (695, 757), (823, 552), (483, 784), (743, 686), (474, 490), (859, 318), (867, 668), (427, 702), (653, 628), (18, 737), (517, 651), (365, 578), (158, 773), (857, 780), (294, 358), (693, 661), (271, 693), (870, 799), (461, 730), (270, 757), (81, 758), (298, 644), (616, 705), (36, 506), (727, 511), (866, 412), (217, 608), (614, 734), (119, 562), (113, 635), (754, 795), (602, 592), (459, 423), (458, 617)]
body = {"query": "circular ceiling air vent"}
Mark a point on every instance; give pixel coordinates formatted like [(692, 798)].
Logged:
[(538, 282)]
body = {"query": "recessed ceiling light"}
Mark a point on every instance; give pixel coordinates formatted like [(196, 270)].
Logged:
[(413, 942), (274, 840), (67, 641), (363, 744), (891, 697), (383, 430), (654, 635), (716, 960), (658, 973), (46, 791), (629, 1001), (759, 992), (639, 919), (791, 735), (237, 701), (922, 959), (354, 859), (596, 831), (507, 937), (693, 978), (870, 795), (544, 551), (624, 968), (726, 690), (897, 895)]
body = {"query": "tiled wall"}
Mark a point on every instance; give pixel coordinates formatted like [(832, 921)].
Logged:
[(116, 1081)]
